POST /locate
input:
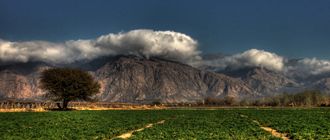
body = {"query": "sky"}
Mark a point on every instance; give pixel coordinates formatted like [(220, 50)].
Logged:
[(294, 29)]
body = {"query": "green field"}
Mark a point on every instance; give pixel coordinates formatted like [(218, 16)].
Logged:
[(179, 124)]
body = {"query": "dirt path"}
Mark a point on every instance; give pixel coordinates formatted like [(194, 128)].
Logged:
[(272, 131), (130, 133), (275, 133)]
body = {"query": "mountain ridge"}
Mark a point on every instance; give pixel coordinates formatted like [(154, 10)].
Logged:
[(136, 79)]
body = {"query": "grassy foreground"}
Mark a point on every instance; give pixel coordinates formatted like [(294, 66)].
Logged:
[(178, 124)]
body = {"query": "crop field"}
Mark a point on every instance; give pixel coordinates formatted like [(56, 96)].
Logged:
[(168, 124)]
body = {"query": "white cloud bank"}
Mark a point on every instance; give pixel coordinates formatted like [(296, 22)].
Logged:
[(148, 43), (260, 58), (311, 66), (250, 58)]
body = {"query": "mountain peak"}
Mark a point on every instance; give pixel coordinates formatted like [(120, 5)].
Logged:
[(133, 79)]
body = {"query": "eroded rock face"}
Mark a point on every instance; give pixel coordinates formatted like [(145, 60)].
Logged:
[(263, 80), (20, 81), (15, 85), (135, 79), (323, 85), (18, 86)]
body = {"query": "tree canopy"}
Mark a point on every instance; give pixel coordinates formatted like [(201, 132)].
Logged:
[(65, 85)]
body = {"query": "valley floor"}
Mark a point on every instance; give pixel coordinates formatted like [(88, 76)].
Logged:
[(252, 123)]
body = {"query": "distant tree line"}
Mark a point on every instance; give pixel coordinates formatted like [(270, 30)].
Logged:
[(305, 98), (226, 101), (51, 105), (308, 98)]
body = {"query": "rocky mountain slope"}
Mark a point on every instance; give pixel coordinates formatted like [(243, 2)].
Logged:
[(323, 85), (20, 81), (136, 79), (263, 80), (133, 79)]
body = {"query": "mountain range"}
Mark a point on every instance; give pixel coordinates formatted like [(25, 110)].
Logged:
[(137, 79)]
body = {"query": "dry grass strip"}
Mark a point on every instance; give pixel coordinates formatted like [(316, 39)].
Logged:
[(270, 130), (129, 134)]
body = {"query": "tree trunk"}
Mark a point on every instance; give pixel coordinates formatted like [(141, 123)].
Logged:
[(65, 104), (59, 105)]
